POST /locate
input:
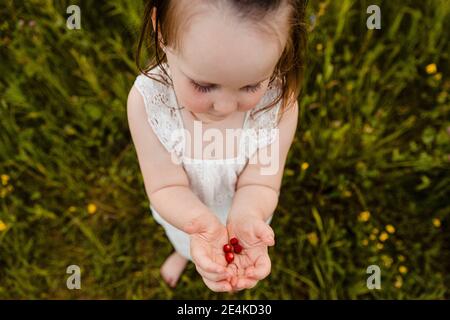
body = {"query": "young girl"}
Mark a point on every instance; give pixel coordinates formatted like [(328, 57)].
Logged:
[(227, 65)]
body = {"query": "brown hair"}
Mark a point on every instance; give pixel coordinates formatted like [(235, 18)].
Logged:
[(290, 67)]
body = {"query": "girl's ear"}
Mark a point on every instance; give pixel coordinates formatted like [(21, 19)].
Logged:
[(159, 27), (154, 18)]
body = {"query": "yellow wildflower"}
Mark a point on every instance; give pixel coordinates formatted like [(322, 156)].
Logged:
[(4, 191), (431, 68), (383, 236), (387, 260), (438, 76), (347, 194), (72, 209), (390, 228), (367, 128), (375, 230), (380, 246), (364, 216), (322, 7), (436, 222), (289, 172), (365, 242), (305, 165), (2, 226), (372, 237), (403, 269), (319, 47), (312, 238), (398, 282), (5, 179), (91, 208)]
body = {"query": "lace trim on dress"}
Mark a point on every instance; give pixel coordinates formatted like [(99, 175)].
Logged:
[(164, 116)]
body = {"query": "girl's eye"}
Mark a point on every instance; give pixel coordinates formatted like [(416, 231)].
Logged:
[(204, 89), (200, 88), (254, 88)]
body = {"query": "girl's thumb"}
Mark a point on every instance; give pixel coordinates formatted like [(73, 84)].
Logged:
[(265, 233), (196, 225)]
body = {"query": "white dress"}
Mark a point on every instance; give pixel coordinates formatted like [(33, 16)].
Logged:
[(212, 180)]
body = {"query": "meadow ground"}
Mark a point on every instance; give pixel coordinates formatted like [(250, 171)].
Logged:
[(367, 180)]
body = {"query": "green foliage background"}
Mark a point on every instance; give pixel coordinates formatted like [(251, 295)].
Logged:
[(374, 129)]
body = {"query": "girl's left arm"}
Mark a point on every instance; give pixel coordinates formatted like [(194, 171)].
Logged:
[(258, 186)]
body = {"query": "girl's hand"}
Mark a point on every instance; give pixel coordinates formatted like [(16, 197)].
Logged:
[(253, 263), (208, 235)]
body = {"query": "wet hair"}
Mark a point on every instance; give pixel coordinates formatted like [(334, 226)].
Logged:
[(290, 67)]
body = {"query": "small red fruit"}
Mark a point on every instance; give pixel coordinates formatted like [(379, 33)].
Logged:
[(234, 241), (229, 256), (226, 248), (237, 248)]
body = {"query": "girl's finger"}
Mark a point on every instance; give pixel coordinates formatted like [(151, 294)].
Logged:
[(245, 283), (265, 233), (218, 286), (202, 260), (213, 276), (260, 270), (233, 270)]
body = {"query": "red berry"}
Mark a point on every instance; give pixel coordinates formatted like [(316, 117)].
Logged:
[(237, 248), (226, 248), (229, 256), (234, 241)]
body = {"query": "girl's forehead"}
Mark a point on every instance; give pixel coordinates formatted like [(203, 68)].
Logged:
[(223, 27), (215, 49)]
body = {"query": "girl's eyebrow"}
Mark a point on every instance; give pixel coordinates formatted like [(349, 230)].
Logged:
[(217, 85)]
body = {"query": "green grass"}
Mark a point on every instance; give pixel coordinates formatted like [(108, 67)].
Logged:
[(373, 128)]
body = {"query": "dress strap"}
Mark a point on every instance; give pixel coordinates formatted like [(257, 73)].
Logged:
[(161, 110), (261, 130)]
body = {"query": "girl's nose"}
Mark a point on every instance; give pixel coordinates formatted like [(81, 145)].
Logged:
[(225, 107)]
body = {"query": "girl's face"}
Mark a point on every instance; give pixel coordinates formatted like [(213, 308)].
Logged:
[(224, 66)]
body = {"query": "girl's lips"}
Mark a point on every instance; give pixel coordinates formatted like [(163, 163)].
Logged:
[(210, 117), (214, 117)]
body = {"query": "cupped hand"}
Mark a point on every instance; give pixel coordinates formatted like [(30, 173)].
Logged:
[(207, 237), (253, 263)]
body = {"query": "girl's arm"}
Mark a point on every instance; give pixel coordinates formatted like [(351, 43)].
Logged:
[(254, 202), (166, 182), (256, 193)]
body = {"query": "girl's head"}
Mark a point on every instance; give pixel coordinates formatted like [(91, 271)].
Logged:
[(223, 54)]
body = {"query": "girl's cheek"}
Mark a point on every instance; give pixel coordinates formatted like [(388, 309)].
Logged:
[(250, 102), (195, 102), (197, 106)]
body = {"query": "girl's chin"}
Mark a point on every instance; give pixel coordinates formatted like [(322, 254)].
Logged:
[(208, 116), (215, 118)]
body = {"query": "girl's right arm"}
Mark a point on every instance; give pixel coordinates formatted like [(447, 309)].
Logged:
[(167, 187), (166, 182)]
